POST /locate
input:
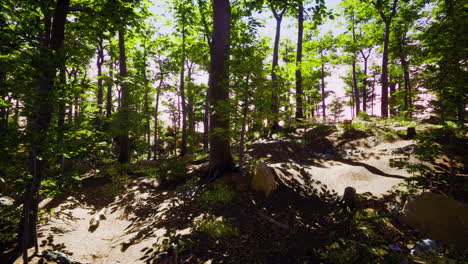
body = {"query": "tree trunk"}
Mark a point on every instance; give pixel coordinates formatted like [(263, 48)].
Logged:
[(109, 90), (206, 124), (299, 92), (123, 141), (404, 65), (274, 126), (220, 149), (245, 110), (156, 121), (323, 91), (183, 146), (100, 61), (393, 111), (364, 86), (384, 77), (355, 83), (3, 109), (39, 125)]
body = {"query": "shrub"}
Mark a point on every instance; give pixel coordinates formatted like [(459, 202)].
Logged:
[(216, 227), (216, 196)]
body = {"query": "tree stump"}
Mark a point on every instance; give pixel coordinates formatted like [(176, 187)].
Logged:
[(410, 132), (350, 197)]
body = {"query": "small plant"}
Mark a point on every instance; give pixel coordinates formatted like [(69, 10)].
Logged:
[(216, 196), (171, 171), (216, 227)]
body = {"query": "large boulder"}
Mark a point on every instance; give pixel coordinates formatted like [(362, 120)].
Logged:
[(264, 179), (439, 216)]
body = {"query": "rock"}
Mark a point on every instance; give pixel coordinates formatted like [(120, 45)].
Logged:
[(434, 120), (350, 197), (6, 201), (438, 216), (264, 179), (425, 248), (94, 222), (57, 256)]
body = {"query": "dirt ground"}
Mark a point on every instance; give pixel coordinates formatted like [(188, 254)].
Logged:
[(139, 214)]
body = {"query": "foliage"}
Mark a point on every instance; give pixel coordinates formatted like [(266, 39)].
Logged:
[(216, 227), (171, 171), (216, 195)]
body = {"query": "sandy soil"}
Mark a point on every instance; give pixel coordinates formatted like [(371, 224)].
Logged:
[(127, 233)]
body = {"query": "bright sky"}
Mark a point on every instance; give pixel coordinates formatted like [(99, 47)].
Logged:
[(288, 31)]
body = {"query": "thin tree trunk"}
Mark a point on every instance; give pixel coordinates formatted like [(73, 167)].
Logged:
[(323, 91), (109, 89), (156, 116), (183, 147), (245, 109), (100, 61), (407, 83), (384, 76), (3, 110), (355, 83), (124, 142), (220, 147), (299, 90), (274, 126)]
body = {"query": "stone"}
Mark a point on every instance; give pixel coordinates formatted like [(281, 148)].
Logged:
[(264, 179), (425, 248), (94, 222), (6, 201), (58, 257), (438, 216)]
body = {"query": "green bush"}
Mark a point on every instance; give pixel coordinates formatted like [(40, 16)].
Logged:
[(216, 196), (216, 227), (171, 171)]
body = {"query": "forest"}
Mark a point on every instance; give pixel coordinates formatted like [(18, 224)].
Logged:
[(233, 131)]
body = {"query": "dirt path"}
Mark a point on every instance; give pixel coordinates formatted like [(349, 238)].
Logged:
[(136, 214)]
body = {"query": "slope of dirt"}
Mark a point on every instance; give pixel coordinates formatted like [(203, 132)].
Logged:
[(139, 214)]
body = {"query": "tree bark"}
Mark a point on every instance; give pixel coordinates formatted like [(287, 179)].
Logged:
[(245, 110), (220, 148), (322, 76), (274, 126), (407, 105), (39, 125), (109, 90), (100, 61), (156, 121), (123, 141), (299, 91), (183, 146), (355, 83)]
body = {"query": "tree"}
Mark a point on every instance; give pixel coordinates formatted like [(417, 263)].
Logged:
[(220, 150), (387, 10)]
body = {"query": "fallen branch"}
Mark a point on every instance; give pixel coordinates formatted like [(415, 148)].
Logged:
[(273, 221)]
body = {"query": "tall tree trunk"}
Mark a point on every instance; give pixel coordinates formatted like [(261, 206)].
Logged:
[(364, 82), (147, 113), (156, 120), (322, 76), (245, 109), (393, 110), (100, 61), (220, 147), (406, 76), (387, 19), (109, 89), (190, 113), (274, 126), (206, 122), (183, 147), (355, 83), (300, 33), (124, 142), (42, 114), (3, 109), (61, 115), (384, 76)]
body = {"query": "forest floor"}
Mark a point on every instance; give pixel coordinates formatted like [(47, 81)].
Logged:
[(138, 217)]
